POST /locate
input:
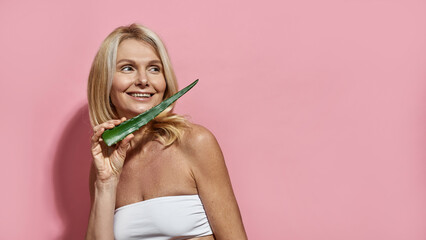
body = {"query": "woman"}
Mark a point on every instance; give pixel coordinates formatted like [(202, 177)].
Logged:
[(167, 180)]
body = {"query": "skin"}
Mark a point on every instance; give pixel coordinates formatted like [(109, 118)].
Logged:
[(141, 168)]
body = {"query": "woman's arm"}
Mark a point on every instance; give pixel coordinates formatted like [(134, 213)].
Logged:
[(214, 185), (103, 197), (104, 176)]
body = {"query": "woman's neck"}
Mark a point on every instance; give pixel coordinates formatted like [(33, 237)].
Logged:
[(141, 136)]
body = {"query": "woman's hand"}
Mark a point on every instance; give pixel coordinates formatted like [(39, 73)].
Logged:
[(108, 161)]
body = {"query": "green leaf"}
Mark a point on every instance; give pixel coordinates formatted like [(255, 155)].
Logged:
[(119, 132)]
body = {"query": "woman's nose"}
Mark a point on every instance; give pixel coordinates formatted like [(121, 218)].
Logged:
[(142, 79)]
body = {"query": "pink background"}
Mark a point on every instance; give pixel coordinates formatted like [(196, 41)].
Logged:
[(319, 106)]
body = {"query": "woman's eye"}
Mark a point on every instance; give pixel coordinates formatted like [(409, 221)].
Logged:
[(127, 68), (154, 69)]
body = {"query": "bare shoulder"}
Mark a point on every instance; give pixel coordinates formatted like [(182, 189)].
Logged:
[(213, 182), (203, 154), (197, 139)]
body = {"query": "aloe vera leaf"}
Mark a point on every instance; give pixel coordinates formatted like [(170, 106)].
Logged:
[(119, 132)]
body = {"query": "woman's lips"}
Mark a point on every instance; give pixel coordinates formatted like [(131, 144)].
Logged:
[(141, 99)]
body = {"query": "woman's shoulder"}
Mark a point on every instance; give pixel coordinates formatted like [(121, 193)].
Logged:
[(203, 153), (197, 138), (197, 134)]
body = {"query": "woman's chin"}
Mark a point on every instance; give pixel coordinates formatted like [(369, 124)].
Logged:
[(136, 113), (131, 113)]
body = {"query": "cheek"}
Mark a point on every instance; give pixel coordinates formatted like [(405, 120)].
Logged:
[(163, 87), (160, 87), (118, 84), (116, 89), (113, 97)]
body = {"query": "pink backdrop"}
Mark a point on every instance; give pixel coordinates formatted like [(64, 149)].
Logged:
[(319, 106)]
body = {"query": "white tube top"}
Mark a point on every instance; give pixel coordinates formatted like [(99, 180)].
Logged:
[(162, 218)]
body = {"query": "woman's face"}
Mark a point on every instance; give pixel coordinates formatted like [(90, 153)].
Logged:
[(138, 83)]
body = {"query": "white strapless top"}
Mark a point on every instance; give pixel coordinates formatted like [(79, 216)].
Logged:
[(162, 218)]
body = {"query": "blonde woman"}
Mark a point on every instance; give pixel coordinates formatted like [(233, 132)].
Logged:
[(167, 180)]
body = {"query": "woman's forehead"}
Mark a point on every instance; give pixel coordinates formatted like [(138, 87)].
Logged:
[(136, 50)]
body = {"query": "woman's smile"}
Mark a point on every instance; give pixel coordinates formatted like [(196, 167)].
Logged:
[(141, 96)]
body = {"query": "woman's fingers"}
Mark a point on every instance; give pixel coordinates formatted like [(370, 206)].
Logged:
[(99, 129), (107, 123), (106, 159), (96, 138), (97, 134), (124, 146), (126, 140)]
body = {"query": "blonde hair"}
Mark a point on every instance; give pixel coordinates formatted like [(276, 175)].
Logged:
[(167, 127)]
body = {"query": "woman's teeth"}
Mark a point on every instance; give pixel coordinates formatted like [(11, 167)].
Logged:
[(144, 95)]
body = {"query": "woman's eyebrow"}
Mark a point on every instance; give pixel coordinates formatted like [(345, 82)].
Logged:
[(156, 62), (133, 62), (126, 60)]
